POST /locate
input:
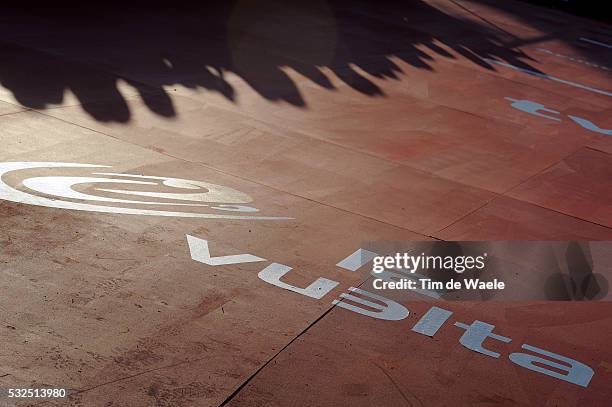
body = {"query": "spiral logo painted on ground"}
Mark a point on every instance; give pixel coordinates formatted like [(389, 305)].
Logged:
[(224, 202)]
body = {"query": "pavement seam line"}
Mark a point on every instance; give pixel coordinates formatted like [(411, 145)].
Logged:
[(262, 367), (13, 113), (236, 176), (504, 194), (237, 390)]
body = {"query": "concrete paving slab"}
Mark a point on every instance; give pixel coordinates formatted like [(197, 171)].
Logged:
[(506, 218), (585, 174), (396, 366), (288, 161), (114, 296), (8, 108)]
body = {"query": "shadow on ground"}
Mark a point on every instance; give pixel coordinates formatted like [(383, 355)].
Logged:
[(89, 49)]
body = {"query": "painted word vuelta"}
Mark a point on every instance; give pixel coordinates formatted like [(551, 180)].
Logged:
[(224, 202), (537, 109), (369, 304)]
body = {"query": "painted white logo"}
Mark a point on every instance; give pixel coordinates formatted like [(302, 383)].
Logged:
[(61, 188)]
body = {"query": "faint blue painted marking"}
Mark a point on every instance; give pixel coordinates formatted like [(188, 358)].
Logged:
[(603, 44), (552, 78)]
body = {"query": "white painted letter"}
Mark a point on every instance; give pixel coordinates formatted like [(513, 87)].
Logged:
[(590, 126), (475, 335), (360, 258), (273, 273), (533, 108), (199, 252), (432, 321), (391, 312), (577, 373)]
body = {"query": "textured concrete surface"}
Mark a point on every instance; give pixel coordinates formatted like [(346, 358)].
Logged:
[(354, 122)]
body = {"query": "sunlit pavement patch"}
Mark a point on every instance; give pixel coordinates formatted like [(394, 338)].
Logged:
[(122, 287), (8, 108), (393, 365)]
